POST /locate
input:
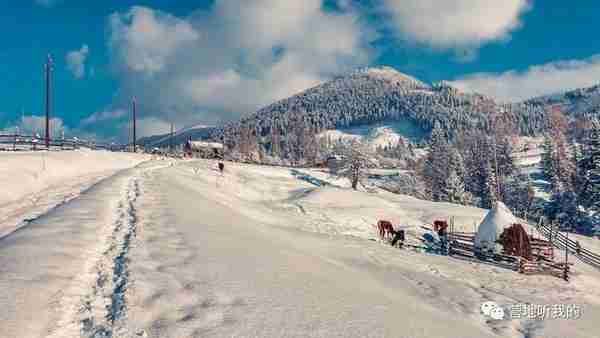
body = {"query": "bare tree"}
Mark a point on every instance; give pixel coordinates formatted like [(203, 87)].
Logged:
[(355, 159)]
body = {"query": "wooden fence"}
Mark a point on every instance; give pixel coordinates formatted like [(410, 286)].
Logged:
[(561, 241), (14, 142)]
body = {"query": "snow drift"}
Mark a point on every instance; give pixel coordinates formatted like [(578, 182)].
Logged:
[(34, 182)]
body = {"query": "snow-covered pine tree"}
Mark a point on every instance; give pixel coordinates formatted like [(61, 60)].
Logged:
[(275, 141), (489, 191), (592, 158), (455, 188), (557, 163), (548, 163), (455, 182), (515, 192), (310, 146), (435, 168)]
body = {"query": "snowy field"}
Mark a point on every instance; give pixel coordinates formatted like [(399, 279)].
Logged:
[(377, 135), (35, 182), (175, 249)]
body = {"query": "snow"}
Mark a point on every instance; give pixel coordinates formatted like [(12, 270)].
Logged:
[(377, 135), (34, 182), (392, 75), (492, 226), (179, 250), (206, 145)]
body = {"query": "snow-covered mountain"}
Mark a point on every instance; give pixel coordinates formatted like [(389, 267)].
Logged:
[(371, 97), (195, 132), (578, 103)]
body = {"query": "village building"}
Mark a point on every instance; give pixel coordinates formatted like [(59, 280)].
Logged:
[(201, 149)]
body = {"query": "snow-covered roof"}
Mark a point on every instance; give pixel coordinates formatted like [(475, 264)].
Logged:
[(204, 145), (492, 226)]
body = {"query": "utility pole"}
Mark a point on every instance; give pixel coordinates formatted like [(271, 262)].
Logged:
[(133, 103), (48, 69), (171, 140)]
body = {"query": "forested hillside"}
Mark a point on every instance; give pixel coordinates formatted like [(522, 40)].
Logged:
[(372, 95)]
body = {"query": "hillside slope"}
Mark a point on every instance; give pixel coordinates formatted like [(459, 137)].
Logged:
[(179, 136), (378, 95)]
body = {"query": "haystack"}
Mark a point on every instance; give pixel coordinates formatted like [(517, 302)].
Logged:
[(492, 226)]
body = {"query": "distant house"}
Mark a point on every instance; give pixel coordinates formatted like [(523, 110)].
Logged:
[(200, 149)]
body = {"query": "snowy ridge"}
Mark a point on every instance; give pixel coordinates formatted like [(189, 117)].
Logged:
[(578, 102), (391, 75)]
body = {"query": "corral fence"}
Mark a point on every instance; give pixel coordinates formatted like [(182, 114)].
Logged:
[(561, 241), (18, 142)]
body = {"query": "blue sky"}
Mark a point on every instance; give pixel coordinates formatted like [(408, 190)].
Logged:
[(207, 61)]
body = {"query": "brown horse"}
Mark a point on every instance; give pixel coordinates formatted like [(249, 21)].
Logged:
[(386, 229), (440, 227)]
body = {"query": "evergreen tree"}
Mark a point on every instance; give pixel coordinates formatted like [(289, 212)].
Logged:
[(518, 193), (435, 168), (548, 163), (455, 183), (455, 188), (591, 191), (489, 192), (557, 165)]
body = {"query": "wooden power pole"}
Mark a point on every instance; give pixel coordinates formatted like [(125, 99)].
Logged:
[(171, 139), (48, 69), (133, 104)]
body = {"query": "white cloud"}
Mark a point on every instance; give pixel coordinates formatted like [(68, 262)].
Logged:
[(32, 124), (144, 39), (233, 58), (538, 80), (449, 24), (151, 126), (102, 116), (76, 61)]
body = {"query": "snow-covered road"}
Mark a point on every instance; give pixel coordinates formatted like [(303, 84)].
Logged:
[(180, 251), (206, 270)]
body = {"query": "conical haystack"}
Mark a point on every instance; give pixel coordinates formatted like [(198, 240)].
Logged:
[(492, 226)]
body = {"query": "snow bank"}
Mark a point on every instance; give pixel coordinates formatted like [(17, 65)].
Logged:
[(29, 172), (31, 180)]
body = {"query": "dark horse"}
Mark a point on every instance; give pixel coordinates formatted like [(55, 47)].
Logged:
[(386, 229)]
